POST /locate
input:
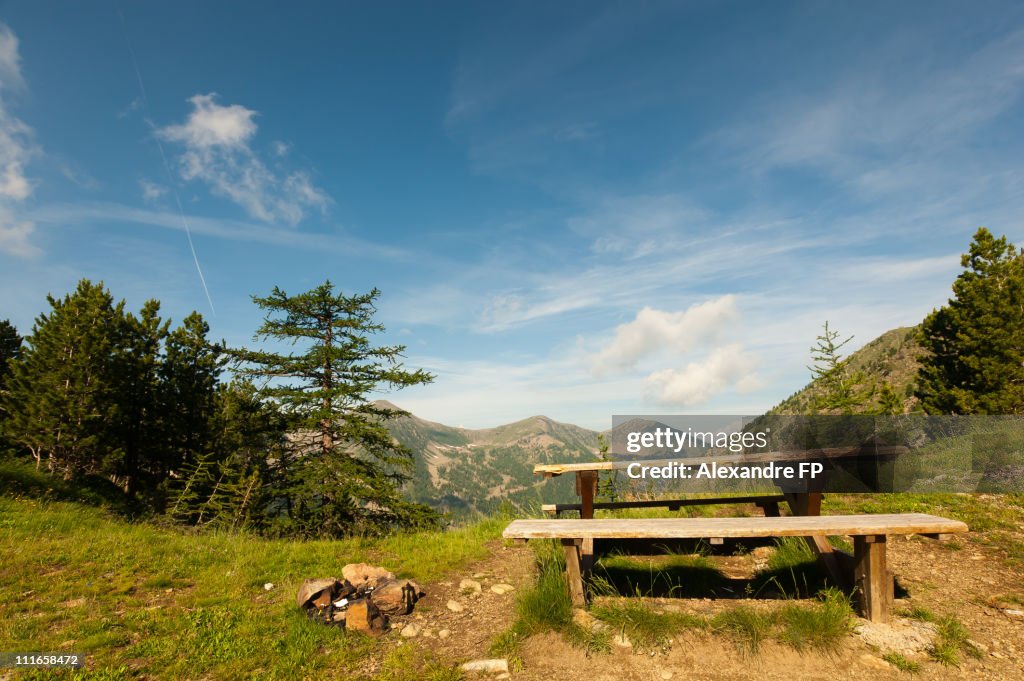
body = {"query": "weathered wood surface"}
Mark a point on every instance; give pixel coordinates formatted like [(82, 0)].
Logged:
[(871, 575), (696, 528), (552, 469), (671, 504)]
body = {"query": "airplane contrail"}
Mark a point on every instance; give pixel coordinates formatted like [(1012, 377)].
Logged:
[(167, 166)]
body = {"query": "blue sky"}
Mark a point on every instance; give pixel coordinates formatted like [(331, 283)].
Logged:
[(572, 209)]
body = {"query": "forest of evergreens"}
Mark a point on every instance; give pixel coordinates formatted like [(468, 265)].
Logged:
[(187, 429)]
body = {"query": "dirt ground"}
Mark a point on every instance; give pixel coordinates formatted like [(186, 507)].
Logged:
[(960, 580)]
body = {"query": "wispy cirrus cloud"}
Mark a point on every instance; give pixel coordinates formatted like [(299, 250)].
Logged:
[(880, 130), (218, 151), (62, 215), (16, 147)]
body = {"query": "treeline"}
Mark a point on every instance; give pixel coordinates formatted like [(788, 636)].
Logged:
[(972, 359), (202, 434)]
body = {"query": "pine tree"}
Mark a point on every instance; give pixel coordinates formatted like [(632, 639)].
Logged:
[(607, 486), (140, 423), (62, 397), (347, 474), (10, 352), (838, 389), (189, 378), (975, 360)]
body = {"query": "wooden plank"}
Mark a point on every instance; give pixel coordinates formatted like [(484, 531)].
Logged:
[(696, 528), (872, 578), (554, 509), (573, 573), (553, 469)]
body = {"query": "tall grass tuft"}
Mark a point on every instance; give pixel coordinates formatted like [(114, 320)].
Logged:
[(746, 626), (821, 626)]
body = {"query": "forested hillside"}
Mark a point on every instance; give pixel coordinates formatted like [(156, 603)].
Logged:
[(464, 471)]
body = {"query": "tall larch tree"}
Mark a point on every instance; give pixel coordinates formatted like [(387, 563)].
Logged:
[(348, 472)]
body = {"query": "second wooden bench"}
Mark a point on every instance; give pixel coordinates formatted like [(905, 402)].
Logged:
[(870, 572)]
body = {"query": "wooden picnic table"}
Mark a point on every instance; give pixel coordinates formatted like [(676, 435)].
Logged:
[(805, 503)]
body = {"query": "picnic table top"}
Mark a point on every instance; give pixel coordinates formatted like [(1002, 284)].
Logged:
[(553, 469), (698, 528)]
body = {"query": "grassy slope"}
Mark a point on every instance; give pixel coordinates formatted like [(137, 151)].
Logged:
[(143, 600), (893, 358)]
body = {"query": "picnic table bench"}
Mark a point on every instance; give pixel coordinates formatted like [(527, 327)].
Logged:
[(869, 572)]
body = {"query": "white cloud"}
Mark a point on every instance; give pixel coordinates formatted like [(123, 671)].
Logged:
[(151, 191), (14, 236), (698, 382), (218, 151), (10, 59), (656, 331), (16, 147), (213, 125)]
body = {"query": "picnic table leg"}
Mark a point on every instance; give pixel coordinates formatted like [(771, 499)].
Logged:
[(586, 487), (573, 573), (809, 503), (872, 577)]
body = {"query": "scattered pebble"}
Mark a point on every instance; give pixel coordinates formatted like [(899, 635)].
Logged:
[(443, 634), (502, 589), (470, 585), (494, 666), (269, 586), (455, 606), (410, 631)]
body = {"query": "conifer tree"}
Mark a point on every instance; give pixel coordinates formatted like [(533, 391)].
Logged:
[(346, 475), (189, 378), (838, 389), (141, 417), (10, 350), (975, 360), (62, 393)]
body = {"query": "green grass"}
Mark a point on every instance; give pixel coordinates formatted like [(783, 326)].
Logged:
[(646, 628), (994, 520), (409, 662), (821, 626), (746, 626), (167, 604), (952, 638), (545, 606), (902, 663)]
